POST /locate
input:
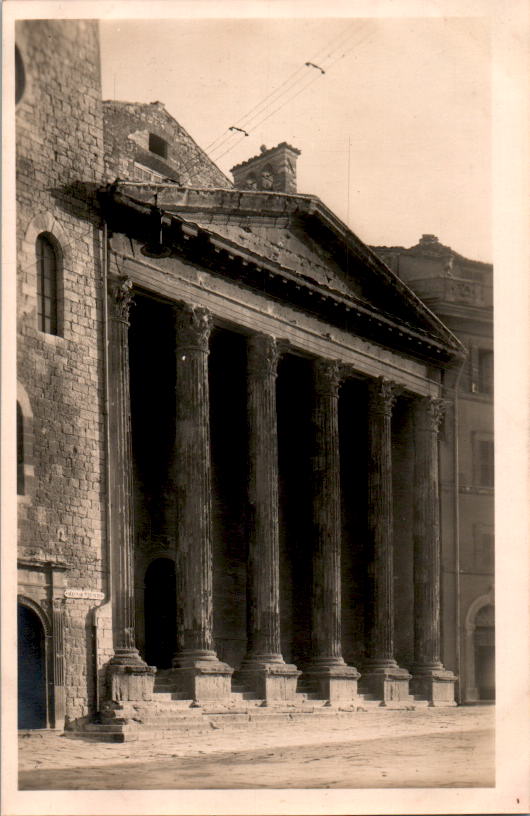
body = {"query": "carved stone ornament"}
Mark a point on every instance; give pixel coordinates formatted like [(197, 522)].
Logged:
[(263, 356), (435, 412), (328, 375), (383, 395), (193, 326), (121, 297)]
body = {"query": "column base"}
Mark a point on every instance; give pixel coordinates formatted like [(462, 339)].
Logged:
[(202, 676), (129, 678), (334, 682), (271, 680), (388, 683), (437, 685)]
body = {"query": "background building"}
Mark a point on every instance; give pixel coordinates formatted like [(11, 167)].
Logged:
[(460, 292), (278, 519)]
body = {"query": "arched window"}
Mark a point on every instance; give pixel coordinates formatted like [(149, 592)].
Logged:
[(20, 76), (47, 285), (20, 451)]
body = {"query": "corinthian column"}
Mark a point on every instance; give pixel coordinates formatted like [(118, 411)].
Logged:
[(429, 676), (335, 679), (381, 673), (195, 664), (264, 668), (130, 678)]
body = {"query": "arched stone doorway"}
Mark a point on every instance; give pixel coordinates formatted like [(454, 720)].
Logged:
[(32, 708), (484, 647), (480, 650), (160, 609)]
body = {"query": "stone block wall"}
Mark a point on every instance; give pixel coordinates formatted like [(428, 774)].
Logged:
[(59, 164), (127, 129)]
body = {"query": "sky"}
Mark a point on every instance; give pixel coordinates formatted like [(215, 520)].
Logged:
[(394, 136)]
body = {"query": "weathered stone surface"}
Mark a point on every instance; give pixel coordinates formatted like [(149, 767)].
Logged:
[(127, 129), (128, 683), (263, 547), (429, 676), (381, 674), (60, 515), (326, 619), (204, 681), (271, 681)]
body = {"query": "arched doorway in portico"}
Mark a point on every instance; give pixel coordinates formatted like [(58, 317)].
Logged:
[(484, 648), (160, 606), (479, 679)]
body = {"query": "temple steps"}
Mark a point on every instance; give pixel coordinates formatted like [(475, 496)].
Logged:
[(170, 711), (144, 725)]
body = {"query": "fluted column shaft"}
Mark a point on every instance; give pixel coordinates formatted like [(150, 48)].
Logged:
[(193, 486), (120, 487), (263, 547), (381, 399), (326, 608), (427, 417)]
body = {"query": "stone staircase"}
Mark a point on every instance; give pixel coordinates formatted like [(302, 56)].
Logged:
[(410, 703), (170, 711)]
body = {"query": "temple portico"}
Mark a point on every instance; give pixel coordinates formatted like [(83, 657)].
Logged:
[(238, 558)]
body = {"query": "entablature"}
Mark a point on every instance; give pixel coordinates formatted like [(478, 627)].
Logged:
[(427, 339), (248, 311)]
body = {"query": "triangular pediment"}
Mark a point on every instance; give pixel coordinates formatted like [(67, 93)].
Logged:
[(318, 257), (292, 247)]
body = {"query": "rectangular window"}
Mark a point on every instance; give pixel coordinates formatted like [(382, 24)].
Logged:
[(485, 462), (485, 371), (157, 145), (484, 547)]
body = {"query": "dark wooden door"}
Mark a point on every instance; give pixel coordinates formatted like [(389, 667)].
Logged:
[(31, 670)]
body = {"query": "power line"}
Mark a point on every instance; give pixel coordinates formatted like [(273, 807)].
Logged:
[(290, 97), (335, 43)]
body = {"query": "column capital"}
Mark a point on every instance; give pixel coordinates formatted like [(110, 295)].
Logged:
[(121, 297), (430, 412), (193, 325), (383, 394), (328, 376), (263, 355)]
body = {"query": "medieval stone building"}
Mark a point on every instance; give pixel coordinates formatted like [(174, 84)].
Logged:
[(229, 413)]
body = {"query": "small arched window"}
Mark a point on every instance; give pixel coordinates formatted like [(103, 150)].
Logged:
[(20, 452), (47, 285), (20, 76)]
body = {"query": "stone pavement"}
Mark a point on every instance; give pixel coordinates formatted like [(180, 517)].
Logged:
[(422, 748)]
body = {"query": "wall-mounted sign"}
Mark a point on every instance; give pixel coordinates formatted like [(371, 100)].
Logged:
[(86, 594)]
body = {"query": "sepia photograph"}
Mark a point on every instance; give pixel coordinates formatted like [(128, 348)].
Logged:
[(253, 303)]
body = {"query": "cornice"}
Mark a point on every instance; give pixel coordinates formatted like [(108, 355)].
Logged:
[(221, 255)]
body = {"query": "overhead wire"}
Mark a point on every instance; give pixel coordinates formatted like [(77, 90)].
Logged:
[(313, 79), (286, 93), (333, 44)]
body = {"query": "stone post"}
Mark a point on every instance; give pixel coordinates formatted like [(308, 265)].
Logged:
[(429, 678), (381, 674), (197, 669), (264, 668), (129, 677), (335, 680)]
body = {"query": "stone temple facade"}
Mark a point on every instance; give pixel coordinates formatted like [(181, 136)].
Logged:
[(229, 412)]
